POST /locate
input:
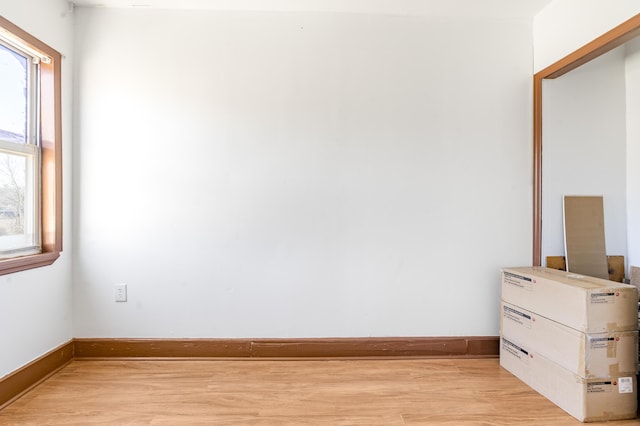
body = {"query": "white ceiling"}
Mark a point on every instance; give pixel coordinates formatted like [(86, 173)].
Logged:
[(460, 8)]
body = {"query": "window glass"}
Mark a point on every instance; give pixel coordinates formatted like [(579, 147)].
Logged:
[(13, 102), (16, 213)]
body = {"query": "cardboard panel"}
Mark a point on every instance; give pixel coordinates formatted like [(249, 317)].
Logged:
[(584, 236), (615, 264), (616, 268), (556, 262), (635, 276)]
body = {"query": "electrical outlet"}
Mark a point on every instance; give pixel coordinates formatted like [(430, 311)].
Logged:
[(121, 292)]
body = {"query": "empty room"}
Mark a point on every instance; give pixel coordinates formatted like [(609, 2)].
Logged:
[(338, 212)]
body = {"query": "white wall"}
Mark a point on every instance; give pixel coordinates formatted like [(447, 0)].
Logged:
[(564, 26), (35, 307), (253, 174), (584, 128), (633, 149)]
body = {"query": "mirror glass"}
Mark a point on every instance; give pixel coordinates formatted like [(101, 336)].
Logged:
[(591, 135)]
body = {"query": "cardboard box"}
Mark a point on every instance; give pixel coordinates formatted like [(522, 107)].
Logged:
[(595, 355), (587, 304), (588, 400)]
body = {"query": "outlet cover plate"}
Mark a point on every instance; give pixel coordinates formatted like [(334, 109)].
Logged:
[(121, 292)]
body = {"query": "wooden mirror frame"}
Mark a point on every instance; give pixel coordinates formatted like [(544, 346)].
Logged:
[(601, 45)]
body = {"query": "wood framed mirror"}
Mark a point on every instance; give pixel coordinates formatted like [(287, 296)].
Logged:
[(601, 45)]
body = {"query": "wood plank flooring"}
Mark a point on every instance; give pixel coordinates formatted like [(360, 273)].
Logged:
[(285, 392)]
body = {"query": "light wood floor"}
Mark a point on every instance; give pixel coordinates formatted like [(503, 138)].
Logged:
[(353, 392)]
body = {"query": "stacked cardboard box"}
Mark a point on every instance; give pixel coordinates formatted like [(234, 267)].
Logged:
[(634, 280), (572, 338)]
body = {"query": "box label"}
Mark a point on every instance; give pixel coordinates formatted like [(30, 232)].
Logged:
[(600, 387), (515, 350), (517, 316), (603, 343), (519, 281), (625, 385), (603, 298)]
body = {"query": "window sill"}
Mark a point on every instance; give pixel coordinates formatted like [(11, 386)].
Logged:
[(9, 266)]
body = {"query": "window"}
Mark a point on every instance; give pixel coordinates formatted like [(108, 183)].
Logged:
[(30, 151), (19, 152)]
